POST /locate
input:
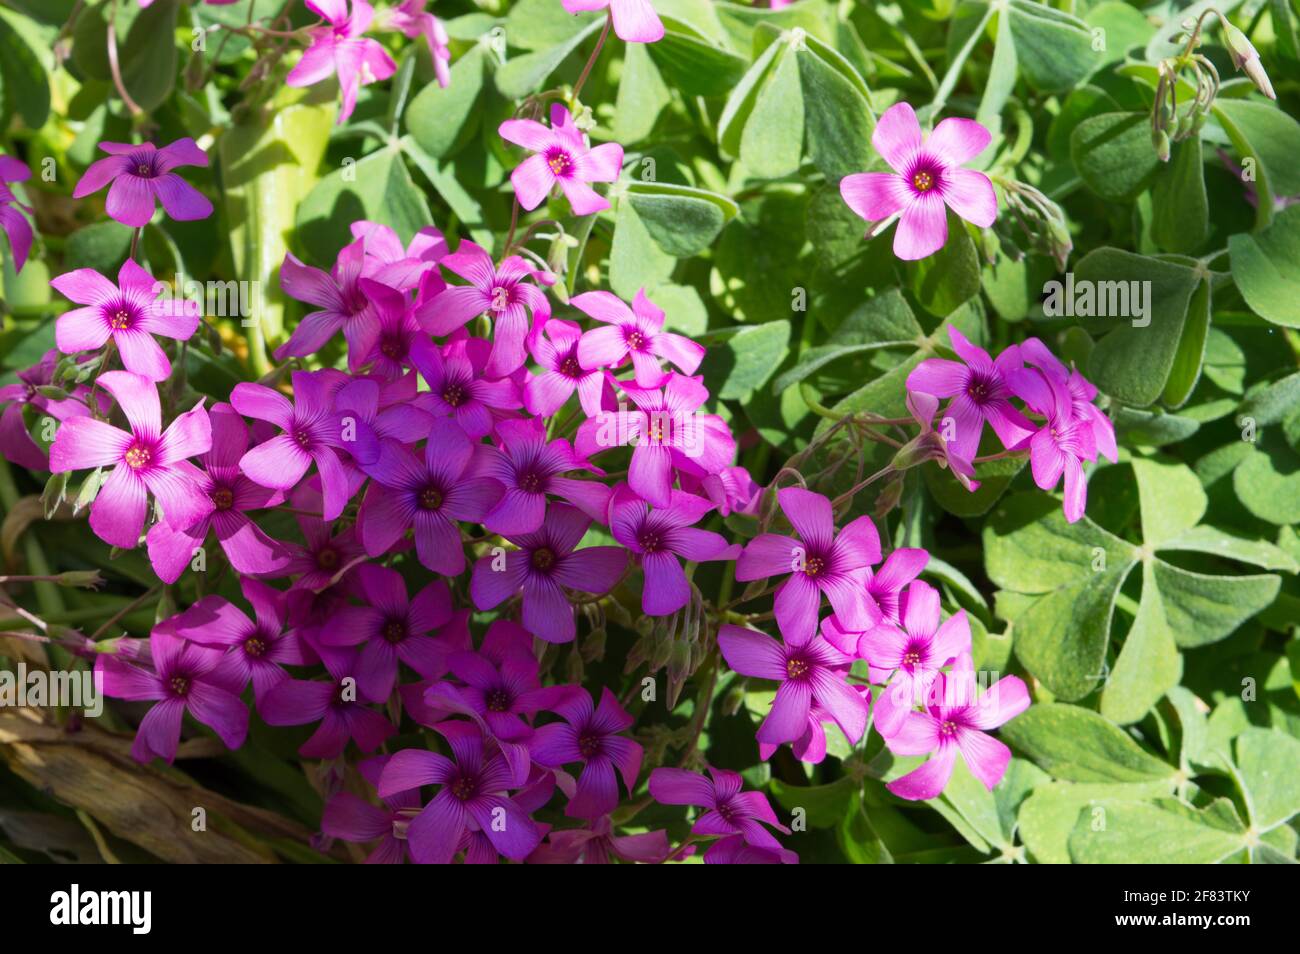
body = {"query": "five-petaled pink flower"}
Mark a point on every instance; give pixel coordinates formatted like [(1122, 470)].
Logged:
[(727, 810), (927, 180), (140, 174), (146, 460), (636, 331), (956, 720), (590, 735), (1063, 441), (819, 562), (130, 313), (339, 47), (561, 157), (978, 387)]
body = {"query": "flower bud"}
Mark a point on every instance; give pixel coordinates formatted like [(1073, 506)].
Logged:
[(1246, 58), (1161, 141)]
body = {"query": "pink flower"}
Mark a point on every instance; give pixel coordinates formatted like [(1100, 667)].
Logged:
[(16, 443), (979, 391), (16, 227), (530, 467), (388, 263), (259, 648), (561, 157), (342, 302), (956, 721), (409, 17), (810, 673), (1063, 442), (811, 746), (556, 350), (1095, 428), (914, 654), (392, 627), (474, 785), (819, 562), (458, 386), (498, 292), (339, 47), (638, 332), (728, 810), (544, 564), (146, 460), (659, 537), (185, 678), (353, 819), (248, 549), (130, 313), (140, 174), (927, 180), (635, 21), (590, 735), (596, 844)]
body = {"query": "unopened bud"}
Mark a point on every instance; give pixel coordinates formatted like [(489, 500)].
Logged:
[(1160, 139), (1246, 58)]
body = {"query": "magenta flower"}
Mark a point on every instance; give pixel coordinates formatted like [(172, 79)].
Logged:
[(342, 302), (590, 735), (811, 746), (928, 179), (544, 564), (934, 445), (140, 174), (636, 331), (395, 333), (596, 844), (185, 677), (339, 48), (500, 293), (247, 547), (957, 721), (914, 654), (323, 558), (810, 673), (1062, 443), (458, 386), (978, 387), (635, 21), (556, 350), (819, 562), (659, 537), (885, 585), (387, 262), (337, 704), (735, 850), (146, 460), (15, 225), (130, 313), (16, 443), (312, 433), (529, 468), (353, 819), (393, 629), (472, 797), (429, 495), (728, 810), (259, 648), (1095, 428), (731, 489), (667, 434), (409, 17), (561, 157)]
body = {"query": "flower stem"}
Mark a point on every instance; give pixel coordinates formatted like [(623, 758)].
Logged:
[(591, 61)]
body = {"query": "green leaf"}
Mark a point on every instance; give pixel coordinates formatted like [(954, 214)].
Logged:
[(1272, 139), (1204, 609), (1148, 665), (441, 119), (377, 188), (1170, 496), (1190, 355), (1054, 49), (825, 805), (25, 79), (102, 246), (1114, 156), (1180, 209), (522, 75), (642, 96), (635, 259), (772, 143), (149, 56), (837, 117), (1078, 745), (694, 65), (1269, 761), (1133, 362), (950, 277), (1166, 832), (743, 99), (746, 359), (1048, 815), (1263, 268), (1267, 482), (880, 322), (682, 220)]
